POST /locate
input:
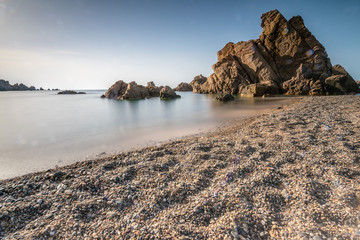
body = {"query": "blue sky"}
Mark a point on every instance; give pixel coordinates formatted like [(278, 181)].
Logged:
[(89, 44)]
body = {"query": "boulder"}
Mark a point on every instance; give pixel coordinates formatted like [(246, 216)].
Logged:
[(286, 58), (154, 91), (303, 83), (343, 81), (168, 93), (134, 92), (197, 82), (340, 84), (184, 87), (116, 90), (225, 98)]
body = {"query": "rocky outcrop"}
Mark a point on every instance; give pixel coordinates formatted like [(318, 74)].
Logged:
[(184, 87), (6, 86), (197, 82), (117, 90), (286, 59), (168, 93), (70, 92), (132, 91)]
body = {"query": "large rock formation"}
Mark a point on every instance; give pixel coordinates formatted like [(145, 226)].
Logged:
[(132, 91), (286, 59), (6, 86)]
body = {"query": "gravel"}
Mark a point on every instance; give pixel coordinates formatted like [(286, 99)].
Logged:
[(290, 174)]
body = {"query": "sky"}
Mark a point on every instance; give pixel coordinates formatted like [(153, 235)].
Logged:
[(90, 44)]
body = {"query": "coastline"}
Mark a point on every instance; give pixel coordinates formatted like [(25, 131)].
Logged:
[(291, 173)]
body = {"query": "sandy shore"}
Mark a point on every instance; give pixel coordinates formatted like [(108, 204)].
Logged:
[(290, 174)]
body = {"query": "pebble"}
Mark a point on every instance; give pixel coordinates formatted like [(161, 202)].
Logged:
[(111, 214)]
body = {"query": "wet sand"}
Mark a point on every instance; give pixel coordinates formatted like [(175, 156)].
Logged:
[(293, 173)]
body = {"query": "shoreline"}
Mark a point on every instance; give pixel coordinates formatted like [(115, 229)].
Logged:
[(291, 173), (111, 141)]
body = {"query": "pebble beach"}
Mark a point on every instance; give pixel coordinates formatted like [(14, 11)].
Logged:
[(293, 173)]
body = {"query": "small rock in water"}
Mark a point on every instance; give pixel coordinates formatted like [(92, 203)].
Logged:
[(225, 98), (40, 201)]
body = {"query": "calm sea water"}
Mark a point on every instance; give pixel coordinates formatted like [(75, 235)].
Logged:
[(40, 130)]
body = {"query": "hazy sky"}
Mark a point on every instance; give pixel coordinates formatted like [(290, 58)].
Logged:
[(89, 44)]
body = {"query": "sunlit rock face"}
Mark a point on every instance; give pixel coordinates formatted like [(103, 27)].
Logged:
[(286, 59)]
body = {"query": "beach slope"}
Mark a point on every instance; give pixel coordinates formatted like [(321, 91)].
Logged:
[(290, 174)]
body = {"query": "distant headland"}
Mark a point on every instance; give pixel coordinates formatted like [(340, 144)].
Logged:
[(6, 86)]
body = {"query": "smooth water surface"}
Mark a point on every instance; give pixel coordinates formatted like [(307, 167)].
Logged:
[(39, 130)]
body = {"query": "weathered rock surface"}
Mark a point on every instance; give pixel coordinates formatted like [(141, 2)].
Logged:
[(286, 59), (154, 91), (184, 87), (6, 86), (168, 93), (132, 91), (70, 92), (116, 90), (197, 82)]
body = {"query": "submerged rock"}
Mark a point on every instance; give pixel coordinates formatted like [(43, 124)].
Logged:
[(70, 92), (286, 59), (225, 97)]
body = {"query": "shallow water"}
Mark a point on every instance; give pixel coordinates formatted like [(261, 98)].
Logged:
[(40, 130)]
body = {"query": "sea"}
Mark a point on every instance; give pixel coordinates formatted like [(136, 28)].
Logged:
[(40, 130)]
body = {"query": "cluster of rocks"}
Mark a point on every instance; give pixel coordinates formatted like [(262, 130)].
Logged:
[(6, 86), (291, 174), (132, 91), (70, 92), (286, 59)]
